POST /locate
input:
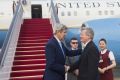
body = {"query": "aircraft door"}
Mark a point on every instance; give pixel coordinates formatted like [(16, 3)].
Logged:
[(36, 11)]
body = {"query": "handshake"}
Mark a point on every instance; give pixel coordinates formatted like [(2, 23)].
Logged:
[(67, 68)]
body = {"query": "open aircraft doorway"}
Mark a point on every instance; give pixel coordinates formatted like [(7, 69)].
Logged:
[(36, 11)]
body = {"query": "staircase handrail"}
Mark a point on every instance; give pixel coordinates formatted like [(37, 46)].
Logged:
[(11, 34), (54, 15)]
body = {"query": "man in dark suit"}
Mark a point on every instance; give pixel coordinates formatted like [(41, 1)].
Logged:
[(55, 55), (88, 62)]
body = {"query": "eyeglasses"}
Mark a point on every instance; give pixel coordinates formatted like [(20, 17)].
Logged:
[(74, 42)]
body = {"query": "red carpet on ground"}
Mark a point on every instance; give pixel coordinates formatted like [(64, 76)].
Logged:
[(29, 61)]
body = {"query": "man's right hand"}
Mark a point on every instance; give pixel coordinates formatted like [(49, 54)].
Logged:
[(76, 72), (66, 68)]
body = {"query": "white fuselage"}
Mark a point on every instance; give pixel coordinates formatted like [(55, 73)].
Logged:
[(73, 13)]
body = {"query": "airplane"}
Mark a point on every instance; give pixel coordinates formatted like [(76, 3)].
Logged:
[(101, 15), (72, 13)]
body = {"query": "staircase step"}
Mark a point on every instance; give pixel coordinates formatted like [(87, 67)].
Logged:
[(30, 44), (35, 77), (33, 37), (23, 57), (25, 62), (35, 32), (32, 70), (41, 26), (30, 48), (46, 34), (35, 29), (28, 67), (36, 22), (29, 53), (39, 21), (27, 73), (33, 41), (45, 26)]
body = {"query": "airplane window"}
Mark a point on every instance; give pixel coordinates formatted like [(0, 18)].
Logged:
[(112, 12), (106, 12), (69, 13), (100, 12), (62, 14), (87, 13), (75, 13)]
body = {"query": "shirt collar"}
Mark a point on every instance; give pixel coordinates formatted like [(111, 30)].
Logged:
[(57, 39), (85, 43), (103, 51), (74, 48)]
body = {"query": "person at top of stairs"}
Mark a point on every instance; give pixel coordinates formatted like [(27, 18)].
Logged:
[(56, 53)]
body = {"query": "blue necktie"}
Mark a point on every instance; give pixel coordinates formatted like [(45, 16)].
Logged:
[(60, 43)]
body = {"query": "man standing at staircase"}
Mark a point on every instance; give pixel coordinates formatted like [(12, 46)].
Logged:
[(55, 55)]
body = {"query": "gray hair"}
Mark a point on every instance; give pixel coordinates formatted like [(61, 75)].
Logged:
[(59, 27), (89, 32)]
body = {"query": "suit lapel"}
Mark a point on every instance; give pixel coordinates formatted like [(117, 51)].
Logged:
[(58, 46), (87, 47)]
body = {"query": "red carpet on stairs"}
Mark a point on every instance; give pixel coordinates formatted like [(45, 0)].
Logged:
[(29, 61)]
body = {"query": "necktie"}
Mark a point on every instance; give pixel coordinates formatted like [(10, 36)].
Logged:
[(60, 43)]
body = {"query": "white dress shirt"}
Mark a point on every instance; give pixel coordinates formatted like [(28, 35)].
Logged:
[(84, 44)]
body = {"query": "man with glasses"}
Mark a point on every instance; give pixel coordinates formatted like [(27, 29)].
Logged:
[(73, 59)]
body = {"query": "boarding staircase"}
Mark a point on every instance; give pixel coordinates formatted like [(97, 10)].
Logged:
[(29, 61)]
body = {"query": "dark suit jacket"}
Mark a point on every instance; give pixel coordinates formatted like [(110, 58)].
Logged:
[(55, 60), (88, 63)]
